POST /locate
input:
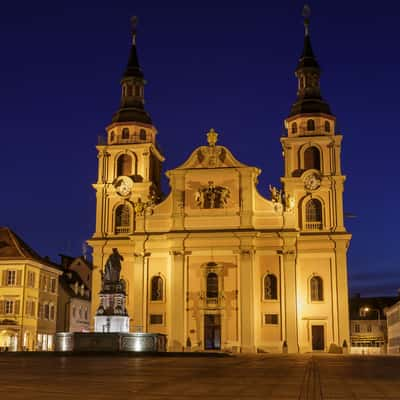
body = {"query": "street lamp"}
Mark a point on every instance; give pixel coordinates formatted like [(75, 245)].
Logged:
[(368, 309)]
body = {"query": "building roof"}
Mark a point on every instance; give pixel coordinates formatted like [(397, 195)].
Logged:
[(12, 247), (68, 280)]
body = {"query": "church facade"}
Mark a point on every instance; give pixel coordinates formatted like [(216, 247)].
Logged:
[(215, 265)]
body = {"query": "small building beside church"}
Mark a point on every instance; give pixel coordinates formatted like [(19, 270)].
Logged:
[(214, 265), (28, 296)]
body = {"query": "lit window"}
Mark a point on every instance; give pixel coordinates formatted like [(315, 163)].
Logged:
[(270, 287), (157, 288), (271, 319), (316, 288)]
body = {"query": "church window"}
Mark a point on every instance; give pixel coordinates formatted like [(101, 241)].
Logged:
[(124, 165), (327, 126), (270, 287), (157, 288), (125, 133), (316, 288), (294, 127), (314, 214), (142, 134), (310, 125), (212, 285), (122, 219), (312, 159)]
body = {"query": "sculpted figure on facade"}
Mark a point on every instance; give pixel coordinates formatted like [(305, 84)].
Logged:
[(276, 195), (212, 196)]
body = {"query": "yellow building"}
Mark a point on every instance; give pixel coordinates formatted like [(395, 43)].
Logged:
[(215, 265), (28, 296)]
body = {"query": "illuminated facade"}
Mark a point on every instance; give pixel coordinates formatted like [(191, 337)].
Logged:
[(28, 296), (215, 265)]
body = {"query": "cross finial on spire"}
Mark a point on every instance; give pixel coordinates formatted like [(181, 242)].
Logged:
[(134, 20), (306, 14)]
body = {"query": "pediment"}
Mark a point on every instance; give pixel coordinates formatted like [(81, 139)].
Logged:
[(212, 157)]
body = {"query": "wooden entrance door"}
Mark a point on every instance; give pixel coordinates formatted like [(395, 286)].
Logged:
[(212, 332), (317, 334)]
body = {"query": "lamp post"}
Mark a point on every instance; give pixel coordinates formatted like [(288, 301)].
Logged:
[(378, 312)]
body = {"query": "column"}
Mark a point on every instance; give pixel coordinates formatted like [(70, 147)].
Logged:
[(247, 329), (176, 341)]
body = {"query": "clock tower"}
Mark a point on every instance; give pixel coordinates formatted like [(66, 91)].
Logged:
[(313, 183)]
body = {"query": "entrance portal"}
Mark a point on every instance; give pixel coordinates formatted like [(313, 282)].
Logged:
[(317, 333), (212, 332)]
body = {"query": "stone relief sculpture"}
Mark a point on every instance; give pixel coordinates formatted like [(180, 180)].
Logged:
[(212, 196)]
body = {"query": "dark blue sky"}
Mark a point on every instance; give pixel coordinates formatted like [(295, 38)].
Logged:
[(226, 65)]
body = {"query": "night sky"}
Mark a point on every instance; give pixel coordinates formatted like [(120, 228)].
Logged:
[(226, 65)]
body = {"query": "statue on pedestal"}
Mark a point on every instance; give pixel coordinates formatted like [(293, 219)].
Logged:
[(112, 268)]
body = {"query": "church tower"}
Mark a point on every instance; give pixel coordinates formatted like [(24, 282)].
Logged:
[(313, 184), (129, 159)]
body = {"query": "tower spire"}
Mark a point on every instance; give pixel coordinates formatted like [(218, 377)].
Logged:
[(132, 84), (308, 73)]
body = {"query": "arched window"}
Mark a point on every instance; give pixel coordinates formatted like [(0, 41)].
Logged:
[(125, 133), (310, 125), (124, 165), (157, 288), (312, 159), (294, 127), (142, 134), (270, 287), (212, 285), (112, 136), (313, 215), (46, 311), (316, 288), (122, 219), (327, 126)]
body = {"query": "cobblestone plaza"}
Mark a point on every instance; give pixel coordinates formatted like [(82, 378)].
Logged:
[(263, 376)]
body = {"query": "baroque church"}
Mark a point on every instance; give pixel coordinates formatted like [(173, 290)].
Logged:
[(214, 265)]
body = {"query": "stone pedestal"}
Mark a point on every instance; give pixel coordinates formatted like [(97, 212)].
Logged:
[(111, 323)]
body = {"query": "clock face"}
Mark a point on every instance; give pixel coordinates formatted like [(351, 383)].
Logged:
[(123, 186), (312, 182)]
